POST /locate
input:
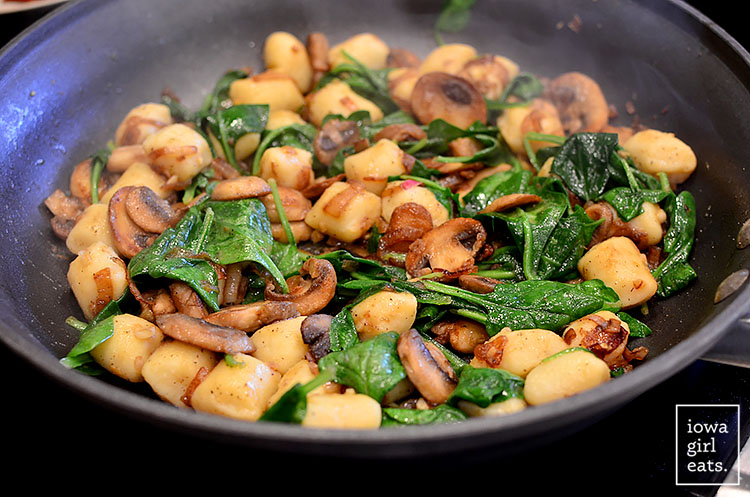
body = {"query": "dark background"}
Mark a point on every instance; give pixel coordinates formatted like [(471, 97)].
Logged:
[(49, 428)]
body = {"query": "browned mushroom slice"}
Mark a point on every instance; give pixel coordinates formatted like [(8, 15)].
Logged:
[(401, 57), (187, 301), (463, 335), (477, 284), (487, 74), (401, 132), (250, 317), (201, 333), (148, 210), (65, 210), (409, 222), (129, 238), (317, 48), (450, 248), (156, 302), (427, 369), (80, 181), (241, 187), (321, 183), (311, 290), (334, 135), (612, 225), (223, 169), (439, 95), (315, 333), (580, 102), (511, 201)]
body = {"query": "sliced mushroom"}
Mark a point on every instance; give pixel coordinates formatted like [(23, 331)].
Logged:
[(450, 248), (463, 335), (250, 317), (321, 184), (203, 334), (580, 102), (487, 74), (401, 132), (612, 225), (511, 201), (401, 57), (333, 136), (477, 284), (315, 333), (80, 181), (311, 290), (148, 210), (240, 188), (223, 169), (155, 303), (129, 238), (187, 301), (439, 95), (427, 369), (65, 210)]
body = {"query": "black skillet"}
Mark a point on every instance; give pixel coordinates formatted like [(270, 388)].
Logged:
[(65, 85)]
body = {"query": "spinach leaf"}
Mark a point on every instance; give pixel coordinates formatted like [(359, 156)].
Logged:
[(638, 329), (583, 163), (485, 386), (371, 84), (515, 180), (454, 17), (442, 413), (530, 304), (674, 273), (521, 90), (219, 98), (629, 203), (98, 162), (231, 124)]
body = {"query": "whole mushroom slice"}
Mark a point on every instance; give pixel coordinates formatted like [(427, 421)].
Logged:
[(439, 95), (129, 238), (240, 188), (148, 210), (201, 333), (311, 290), (250, 317), (333, 136), (580, 102), (427, 369), (450, 248)]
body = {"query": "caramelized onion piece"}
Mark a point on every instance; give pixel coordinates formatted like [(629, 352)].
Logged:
[(613, 226), (439, 95), (201, 333)]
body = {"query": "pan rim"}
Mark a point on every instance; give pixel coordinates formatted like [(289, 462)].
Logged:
[(151, 410)]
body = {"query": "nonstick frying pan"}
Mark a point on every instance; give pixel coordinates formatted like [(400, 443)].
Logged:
[(65, 85)]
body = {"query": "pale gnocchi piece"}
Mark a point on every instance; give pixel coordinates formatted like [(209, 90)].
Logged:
[(519, 351), (171, 368), (508, 406), (244, 147), (237, 388), (342, 411), (291, 167), (337, 97), (301, 373), (563, 375), (178, 150), (138, 174), (132, 342), (655, 152), (650, 222), (586, 332), (375, 164), (449, 58), (403, 389), (540, 116), (142, 121), (401, 192), (92, 226), (345, 211), (279, 345), (285, 53), (383, 312), (277, 90), (622, 267), (401, 83), (97, 276), (367, 48), (280, 118)]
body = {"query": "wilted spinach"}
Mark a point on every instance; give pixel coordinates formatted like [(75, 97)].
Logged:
[(485, 386), (674, 273), (442, 413), (453, 18)]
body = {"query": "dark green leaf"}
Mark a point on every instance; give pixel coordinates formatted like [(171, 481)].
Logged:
[(485, 386), (638, 329), (583, 163), (443, 413)]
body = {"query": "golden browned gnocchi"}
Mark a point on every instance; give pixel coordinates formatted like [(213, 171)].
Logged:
[(357, 236)]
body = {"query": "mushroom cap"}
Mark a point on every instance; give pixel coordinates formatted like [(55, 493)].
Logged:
[(449, 248), (427, 370), (308, 294), (439, 95)]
